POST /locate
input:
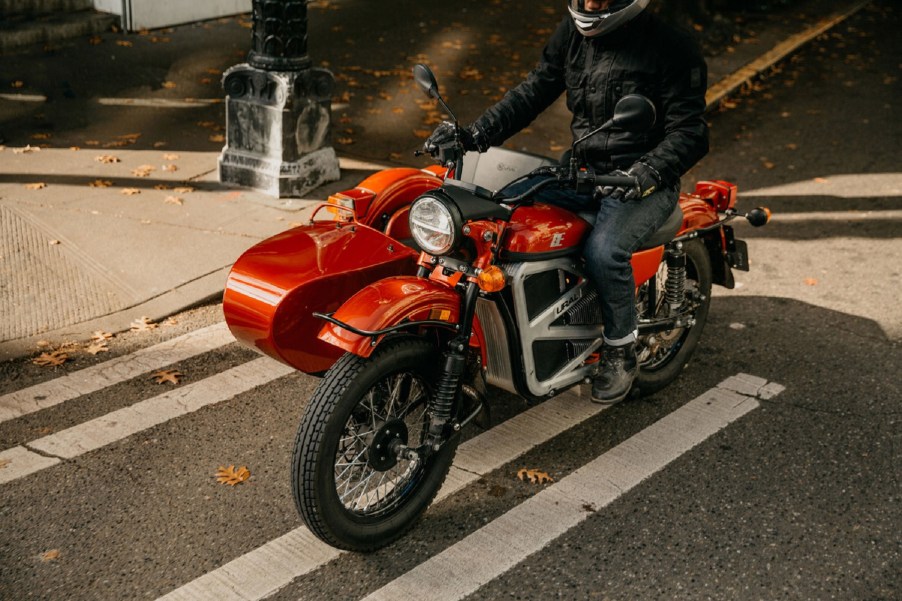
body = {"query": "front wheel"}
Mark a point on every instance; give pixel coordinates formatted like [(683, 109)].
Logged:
[(662, 355), (350, 490)]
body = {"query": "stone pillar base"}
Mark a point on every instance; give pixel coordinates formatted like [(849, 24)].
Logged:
[(278, 178), (278, 130)]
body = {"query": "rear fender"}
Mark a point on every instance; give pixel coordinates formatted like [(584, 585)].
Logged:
[(387, 303), (699, 213), (274, 287)]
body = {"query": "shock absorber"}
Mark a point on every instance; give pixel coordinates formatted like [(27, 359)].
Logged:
[(453, 366), (675, 287)]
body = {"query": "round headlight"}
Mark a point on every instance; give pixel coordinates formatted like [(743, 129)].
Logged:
[(433, 225)]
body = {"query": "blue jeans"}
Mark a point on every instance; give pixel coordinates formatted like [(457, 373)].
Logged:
[(620, 229)]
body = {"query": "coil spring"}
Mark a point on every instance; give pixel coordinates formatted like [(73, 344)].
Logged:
[(446, 391), (675, 287)]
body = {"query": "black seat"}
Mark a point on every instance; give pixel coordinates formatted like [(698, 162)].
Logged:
[(664, 234)]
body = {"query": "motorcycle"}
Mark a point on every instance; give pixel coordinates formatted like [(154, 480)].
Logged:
[(425, 287)]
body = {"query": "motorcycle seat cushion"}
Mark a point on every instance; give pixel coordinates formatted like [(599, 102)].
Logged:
[(663, 235)]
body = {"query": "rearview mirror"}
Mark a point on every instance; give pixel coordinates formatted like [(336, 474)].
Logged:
[(426, 80), (634, 113)]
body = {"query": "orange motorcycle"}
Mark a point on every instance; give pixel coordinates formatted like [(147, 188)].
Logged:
[(418, 290)]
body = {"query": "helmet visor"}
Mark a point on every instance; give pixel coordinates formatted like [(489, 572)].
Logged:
[(580, 7)]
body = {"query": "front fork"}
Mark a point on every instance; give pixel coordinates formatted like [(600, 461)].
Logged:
[(448, 390)]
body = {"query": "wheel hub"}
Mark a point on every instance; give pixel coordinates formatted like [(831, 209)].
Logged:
[(382, 453)]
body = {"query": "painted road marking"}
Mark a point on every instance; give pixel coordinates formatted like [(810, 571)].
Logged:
[(100, 376), (494, 549), (117, 425), (274, 565)]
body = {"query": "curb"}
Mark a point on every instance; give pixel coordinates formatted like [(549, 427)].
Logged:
[(730, 84)]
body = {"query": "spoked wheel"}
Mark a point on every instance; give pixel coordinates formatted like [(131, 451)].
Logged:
[(349, 485), (662, 355)]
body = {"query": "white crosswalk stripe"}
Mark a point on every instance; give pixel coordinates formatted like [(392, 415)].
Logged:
[(497, 547), (100, 376)]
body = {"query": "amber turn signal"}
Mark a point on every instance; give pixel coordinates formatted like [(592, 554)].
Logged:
[(491, 279), (758, 216)]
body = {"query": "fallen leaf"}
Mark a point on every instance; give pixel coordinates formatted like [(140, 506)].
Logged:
[(344, 141), (4, 463), (50, 555), (183, 190), (769, 164), (170, 168), (35, 186), (143, 170), (170, 157), (810, 281), (217, 138), (168, 84), (100, 336), (130, 191), (97, 347), (231, 476), (205, 81), (792, 146), (159, 144), (92, 142), (50, 359), (107, 158), (821, 180), (143, 324), (28, 149), (173, 200), (124, 43), (737, 326), (161, 187), (534, 476), (95, 39), (41, 136), (168, 375), (422, 133), (100, 183), (76, 148), (53, 242), (17, 84), (132, 138)]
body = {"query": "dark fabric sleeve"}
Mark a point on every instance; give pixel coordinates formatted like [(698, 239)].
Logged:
[(683, 101), (521, 105)]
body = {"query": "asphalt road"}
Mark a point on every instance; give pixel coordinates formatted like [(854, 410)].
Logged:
[(798, 499)]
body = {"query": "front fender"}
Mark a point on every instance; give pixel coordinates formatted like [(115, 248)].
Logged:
[(387, 303)]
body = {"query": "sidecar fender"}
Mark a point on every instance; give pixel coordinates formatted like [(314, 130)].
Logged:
[(387, 303), (274, 288)]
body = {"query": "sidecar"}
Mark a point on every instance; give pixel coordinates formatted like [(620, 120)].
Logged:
[(275, 286)]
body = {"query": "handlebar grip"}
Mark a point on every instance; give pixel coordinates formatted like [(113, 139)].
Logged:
[(615, 180)]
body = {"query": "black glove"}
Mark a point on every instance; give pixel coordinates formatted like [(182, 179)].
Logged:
[(647, 181), (444, 134)]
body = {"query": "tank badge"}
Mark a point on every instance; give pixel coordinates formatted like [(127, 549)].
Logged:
[(557, 240)]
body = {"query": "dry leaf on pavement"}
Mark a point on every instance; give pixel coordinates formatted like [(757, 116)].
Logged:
[(811, 281), (53, 242), (100, 183), (97, 347), (50, 555), (535, 476), (217, 138), (173, 376), (17, 84), (41, 136), (143, 324), (173, 200), (231, 476), (35, 186), (143, 170), (183, 190), (170, 157), (124, 43), (130, 191), (4, 463), (168, 84), (51, 359), (100, 336), (27, 149), (170, 167), (106, 158)]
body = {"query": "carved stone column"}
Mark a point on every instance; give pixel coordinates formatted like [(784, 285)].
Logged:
[(278, 109)]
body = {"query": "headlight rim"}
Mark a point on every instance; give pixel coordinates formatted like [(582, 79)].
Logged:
[(455, 218)]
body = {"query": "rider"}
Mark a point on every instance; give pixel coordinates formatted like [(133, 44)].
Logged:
[(602, 51)]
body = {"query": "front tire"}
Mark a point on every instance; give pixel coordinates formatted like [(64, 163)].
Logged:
[(350, 493), (663, 355)]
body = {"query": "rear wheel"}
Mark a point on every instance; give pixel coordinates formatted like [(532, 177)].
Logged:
[(350, 489), (662, 355)]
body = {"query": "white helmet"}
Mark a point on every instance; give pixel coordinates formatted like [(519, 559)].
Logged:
[(599, 22)]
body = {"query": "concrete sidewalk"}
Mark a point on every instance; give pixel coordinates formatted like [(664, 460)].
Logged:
[(120, 215)]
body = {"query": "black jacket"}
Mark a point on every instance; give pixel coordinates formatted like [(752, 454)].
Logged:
[(646, 57)]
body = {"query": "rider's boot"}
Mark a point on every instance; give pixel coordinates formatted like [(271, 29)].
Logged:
[(615, 377)]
